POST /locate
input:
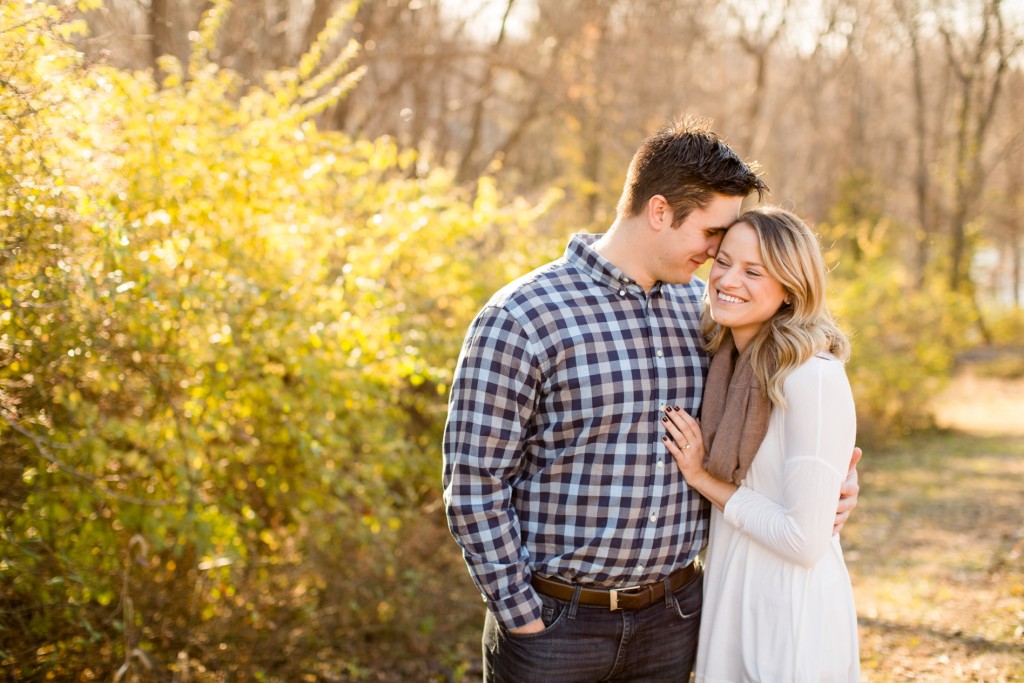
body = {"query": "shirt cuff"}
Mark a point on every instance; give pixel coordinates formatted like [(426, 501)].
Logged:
[(735, 506), (518, 609)]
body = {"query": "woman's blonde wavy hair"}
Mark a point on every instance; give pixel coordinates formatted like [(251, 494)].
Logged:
[(799, 329)]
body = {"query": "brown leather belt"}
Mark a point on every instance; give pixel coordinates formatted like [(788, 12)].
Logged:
[(631, 597)]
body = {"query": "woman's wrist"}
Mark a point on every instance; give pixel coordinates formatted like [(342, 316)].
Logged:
[(711, 487), (701, 480)]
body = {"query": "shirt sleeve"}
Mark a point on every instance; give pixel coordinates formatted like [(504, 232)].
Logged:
[(819, 430), (493, 398)]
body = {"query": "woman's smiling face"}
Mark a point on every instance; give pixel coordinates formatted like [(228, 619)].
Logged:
[(743, 295)]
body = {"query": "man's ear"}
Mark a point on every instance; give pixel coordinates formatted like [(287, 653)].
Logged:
[(659, 213)]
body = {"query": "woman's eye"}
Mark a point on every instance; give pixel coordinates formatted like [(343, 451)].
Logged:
[(753, 273), (722, 262)]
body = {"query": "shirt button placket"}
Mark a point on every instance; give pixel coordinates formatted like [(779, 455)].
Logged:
[(656, 322)]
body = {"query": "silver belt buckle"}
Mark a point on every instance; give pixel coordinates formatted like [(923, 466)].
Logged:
[(613, 599)]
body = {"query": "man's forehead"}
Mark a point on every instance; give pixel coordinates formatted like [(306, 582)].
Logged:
[(723, 209)]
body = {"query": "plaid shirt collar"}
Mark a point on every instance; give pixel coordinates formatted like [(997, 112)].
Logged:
[(580, 253)]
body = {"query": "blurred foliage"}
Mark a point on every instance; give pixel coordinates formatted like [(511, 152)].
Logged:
[(1006, 326), (1005, 358), (905, 336), (225, 343)]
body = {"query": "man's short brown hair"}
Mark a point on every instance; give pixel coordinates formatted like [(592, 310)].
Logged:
[(687, 163)]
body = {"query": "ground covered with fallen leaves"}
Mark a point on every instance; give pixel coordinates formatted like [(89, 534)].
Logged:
[(935, 552)]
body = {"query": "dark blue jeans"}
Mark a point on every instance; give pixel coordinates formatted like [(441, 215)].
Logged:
[(583, 644)]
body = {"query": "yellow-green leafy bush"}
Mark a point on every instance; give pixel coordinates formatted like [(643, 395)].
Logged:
[(225, 338), (905, 336)]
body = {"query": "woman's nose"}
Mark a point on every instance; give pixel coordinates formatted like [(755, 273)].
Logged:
[(727, 278)]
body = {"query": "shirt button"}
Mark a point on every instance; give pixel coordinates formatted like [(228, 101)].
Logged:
[(660, 353), (622, 292), (654, 518), (639, 568), (661, 463)]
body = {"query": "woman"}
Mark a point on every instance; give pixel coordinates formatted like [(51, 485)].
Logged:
[(777, 427)]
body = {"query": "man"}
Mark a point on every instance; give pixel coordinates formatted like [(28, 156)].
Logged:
[(580, 533)]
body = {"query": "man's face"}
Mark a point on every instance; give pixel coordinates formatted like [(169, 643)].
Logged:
[(683, 249)]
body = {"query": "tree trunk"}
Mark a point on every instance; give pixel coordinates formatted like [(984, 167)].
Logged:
[(923, 233), (277, 16), (981, 72), (466, 168), (1015, 268), (158, 20)]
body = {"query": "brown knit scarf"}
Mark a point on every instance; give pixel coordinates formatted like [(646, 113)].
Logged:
[(734, 418)]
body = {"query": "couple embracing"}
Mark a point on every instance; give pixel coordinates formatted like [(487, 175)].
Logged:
[(611, 417)]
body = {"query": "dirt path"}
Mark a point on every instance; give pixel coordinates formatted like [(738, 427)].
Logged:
[(936, 550), (981, 405)]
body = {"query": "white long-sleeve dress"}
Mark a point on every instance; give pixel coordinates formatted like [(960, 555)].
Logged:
[(778, 604)]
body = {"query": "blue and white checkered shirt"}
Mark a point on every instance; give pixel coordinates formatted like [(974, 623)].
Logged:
[(553, 459)]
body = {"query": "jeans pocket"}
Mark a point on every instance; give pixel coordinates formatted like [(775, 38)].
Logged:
[(552, 613), (689, 598)]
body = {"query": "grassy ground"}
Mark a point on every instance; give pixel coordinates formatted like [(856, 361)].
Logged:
[(935, 552)]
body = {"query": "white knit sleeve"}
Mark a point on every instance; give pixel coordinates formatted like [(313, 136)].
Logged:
[(819, 429)]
